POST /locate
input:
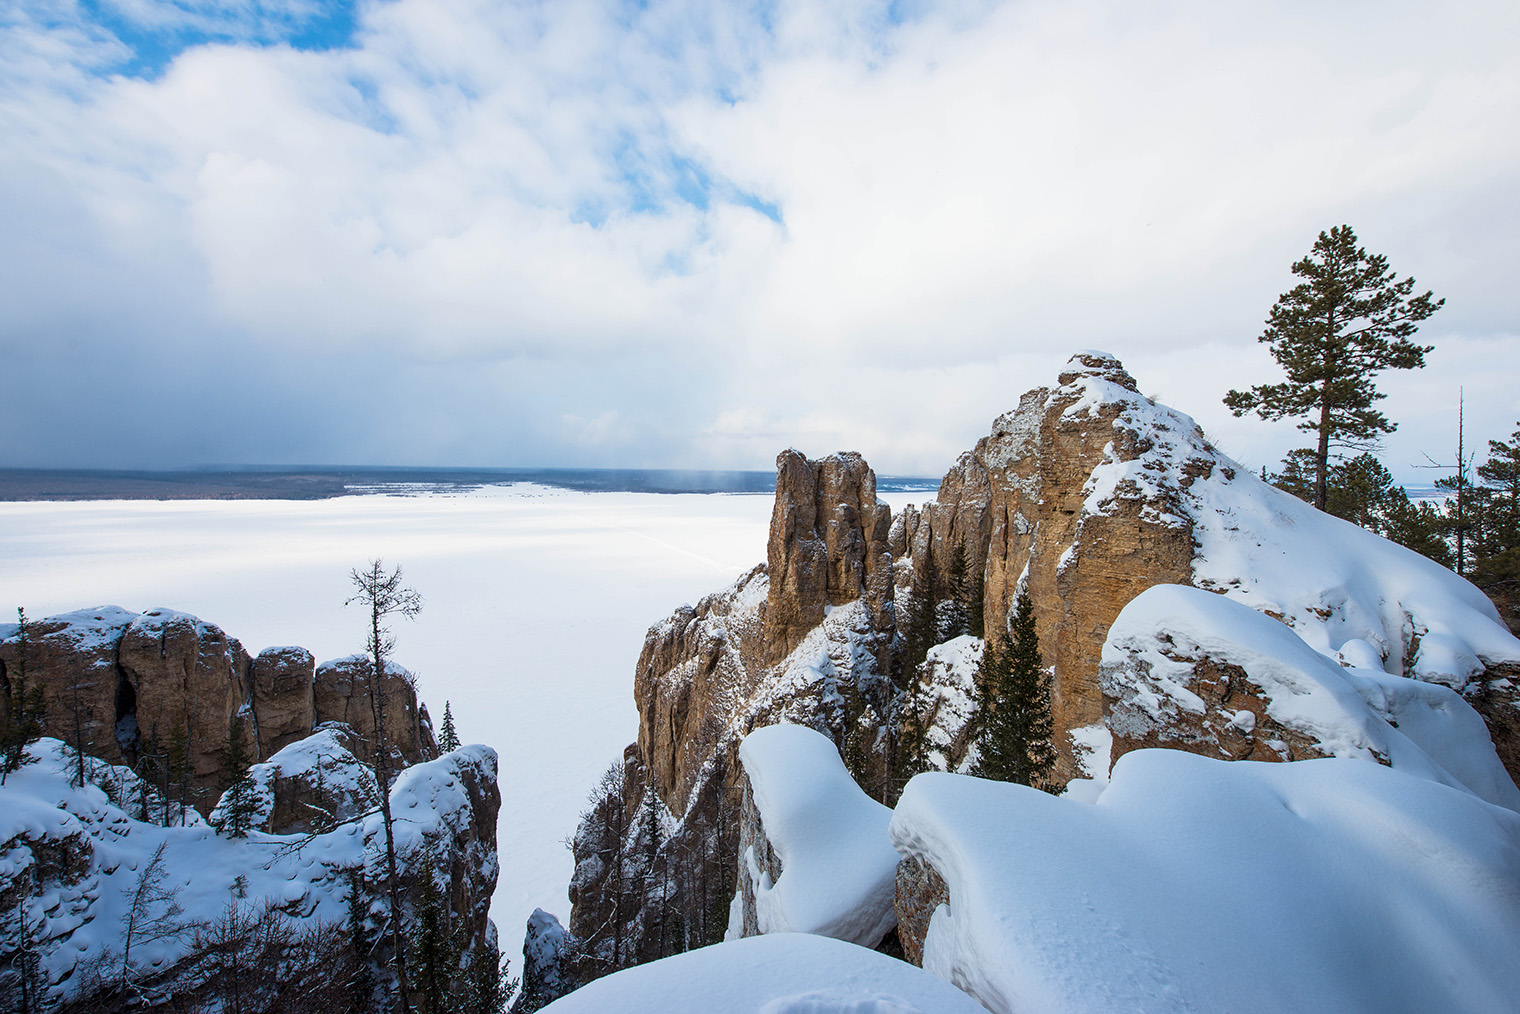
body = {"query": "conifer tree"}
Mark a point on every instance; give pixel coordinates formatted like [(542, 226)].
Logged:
[(434, 942), (1332, 333), (954, 614), (25, 707), (917, 626), (385, 596), (361, 987), (448, 740), (1015, 723), (239, 804)]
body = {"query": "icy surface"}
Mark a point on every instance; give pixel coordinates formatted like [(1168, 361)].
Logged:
[(1213, 886), (1434, 733), (516, 582), (838, 868), (782, 973)]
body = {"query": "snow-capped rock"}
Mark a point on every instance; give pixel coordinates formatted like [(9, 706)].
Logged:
[(814, 853)]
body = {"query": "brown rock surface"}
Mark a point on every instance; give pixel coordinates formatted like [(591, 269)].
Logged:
[(920, 890), (1018, 500), (280, 685), (1496, 696), (828, 545), (185, 674), (73, 658), (1220, 730), (341, 695)]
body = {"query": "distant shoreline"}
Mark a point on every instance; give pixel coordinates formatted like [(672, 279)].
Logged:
[(35, 484)]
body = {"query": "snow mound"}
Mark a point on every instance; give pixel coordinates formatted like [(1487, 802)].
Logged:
[(783, 973), (1150, 664), (838, 867), (1330, 580), (1202, 885)]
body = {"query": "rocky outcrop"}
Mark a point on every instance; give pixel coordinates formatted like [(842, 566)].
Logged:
[(314, 784), (827, 546), (122, 683), (69, 856), (184, 674), (341, 694), (1022, 503), (920, 890), (73, 658), (281, 690)]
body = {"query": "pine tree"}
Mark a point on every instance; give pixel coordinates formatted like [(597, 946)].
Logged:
[(448, 740), (1332, 333), (240, 803), (434, 944), (1015, 723), (25, 708)]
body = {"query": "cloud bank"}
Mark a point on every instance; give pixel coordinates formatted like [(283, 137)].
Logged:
[(686, 234)]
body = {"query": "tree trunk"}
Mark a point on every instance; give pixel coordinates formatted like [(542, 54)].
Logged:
[(381, 763)]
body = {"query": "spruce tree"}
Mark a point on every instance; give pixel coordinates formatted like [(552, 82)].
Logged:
[(448, 740), (955, 613), (917, 625), (1332, 333), (1014, 713), (239, 804)]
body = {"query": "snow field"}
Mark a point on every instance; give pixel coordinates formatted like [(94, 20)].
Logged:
[(779, 973), (536, 604)]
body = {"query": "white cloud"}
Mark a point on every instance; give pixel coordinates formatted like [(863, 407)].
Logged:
[(480, 193)]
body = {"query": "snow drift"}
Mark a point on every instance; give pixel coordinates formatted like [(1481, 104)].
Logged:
[(1203, 885)]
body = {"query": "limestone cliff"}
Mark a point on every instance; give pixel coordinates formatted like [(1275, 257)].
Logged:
[(117, 681)]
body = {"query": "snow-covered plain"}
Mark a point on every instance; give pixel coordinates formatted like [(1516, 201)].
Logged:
[(536, 605)]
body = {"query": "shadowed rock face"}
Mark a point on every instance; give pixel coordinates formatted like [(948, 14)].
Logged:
[(185, 674), (281, 685)]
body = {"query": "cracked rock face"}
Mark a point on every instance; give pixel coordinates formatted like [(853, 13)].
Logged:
[(1027, 506), (828, 545)]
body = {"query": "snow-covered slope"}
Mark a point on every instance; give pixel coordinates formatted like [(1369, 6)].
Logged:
[(784, 973), (1210, 886), (1187, 668), (84, 853)]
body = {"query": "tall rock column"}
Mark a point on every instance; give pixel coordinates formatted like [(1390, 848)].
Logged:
[(828, 546)]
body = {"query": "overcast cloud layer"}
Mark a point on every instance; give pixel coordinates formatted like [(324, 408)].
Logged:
[(690, 234)]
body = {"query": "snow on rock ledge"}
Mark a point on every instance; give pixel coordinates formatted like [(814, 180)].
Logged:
[(784, 973), (1192, 670), (1203, 885), (814, 853)]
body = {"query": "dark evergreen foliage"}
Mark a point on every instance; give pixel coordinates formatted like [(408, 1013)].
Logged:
[(1332, 333), (448, 740), (1014, 710), (239, 805), (25, 708)]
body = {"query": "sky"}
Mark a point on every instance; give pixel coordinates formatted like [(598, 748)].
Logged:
[(688, 234)]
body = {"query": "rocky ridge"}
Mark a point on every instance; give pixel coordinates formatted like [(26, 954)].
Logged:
[(1084, 496), (129, 678)]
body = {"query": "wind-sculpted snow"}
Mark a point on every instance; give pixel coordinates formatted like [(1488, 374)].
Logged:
[(837, 866), (1210, 886), (781, 973), (1167, 639)]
